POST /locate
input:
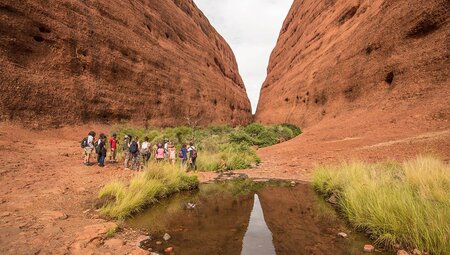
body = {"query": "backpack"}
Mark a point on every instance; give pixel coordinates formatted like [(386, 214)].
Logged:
[(180, 154), (134, 147), (84, 143), (193, 153)]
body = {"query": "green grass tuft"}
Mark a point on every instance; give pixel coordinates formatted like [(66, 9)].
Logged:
[(406, 203), (157, 181)]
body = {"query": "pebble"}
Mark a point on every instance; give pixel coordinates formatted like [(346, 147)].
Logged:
[(158, 242), (332, 199), (417, 252), (166, 237), (402, 252), (342, 234), (143, 240), (369, 248), (168, 250)]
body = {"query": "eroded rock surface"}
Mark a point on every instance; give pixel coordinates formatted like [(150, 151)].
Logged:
[(151, 62), (347, 58)]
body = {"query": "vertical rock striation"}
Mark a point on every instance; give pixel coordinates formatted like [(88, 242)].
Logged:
[(155, 62), (340, 58)]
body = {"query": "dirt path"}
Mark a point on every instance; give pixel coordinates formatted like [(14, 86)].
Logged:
[(46, 194), (46, 191)]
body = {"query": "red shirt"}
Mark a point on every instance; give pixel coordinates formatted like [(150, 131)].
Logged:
[(113, 143)]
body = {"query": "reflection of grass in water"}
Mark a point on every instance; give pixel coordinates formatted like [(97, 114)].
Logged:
[(327, 213), (404, 203), (161, 214), (157, 181), (159, 217), (240, 187)]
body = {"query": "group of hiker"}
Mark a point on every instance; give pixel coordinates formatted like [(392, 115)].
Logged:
[(137, 154)]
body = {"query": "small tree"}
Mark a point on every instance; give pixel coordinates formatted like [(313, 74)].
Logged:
[(193, 121)]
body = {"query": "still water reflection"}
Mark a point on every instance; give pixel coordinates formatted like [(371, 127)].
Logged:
[(258, 238), (231, 218)]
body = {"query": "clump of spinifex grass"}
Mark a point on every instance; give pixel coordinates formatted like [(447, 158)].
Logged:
[(400, 203), (157, 181)]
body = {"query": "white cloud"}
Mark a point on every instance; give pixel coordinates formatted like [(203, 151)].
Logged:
[(251, 27)]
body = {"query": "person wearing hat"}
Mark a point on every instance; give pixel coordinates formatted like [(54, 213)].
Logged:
[(113, 145)]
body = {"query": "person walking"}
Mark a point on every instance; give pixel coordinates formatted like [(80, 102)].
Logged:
[(154, 149), (126, 151), (134, 151), (113, 145), (159, 153), (166, 148), (88, 145), (192, 156), (183, 156), (145, 151), (172, 153), (101, 150)]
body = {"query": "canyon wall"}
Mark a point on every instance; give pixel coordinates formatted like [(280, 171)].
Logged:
[(155, 62), (353, 57)]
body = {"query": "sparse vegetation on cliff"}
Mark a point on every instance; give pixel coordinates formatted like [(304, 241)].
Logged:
[(399, 203)]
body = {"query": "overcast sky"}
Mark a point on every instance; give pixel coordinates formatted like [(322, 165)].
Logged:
[(251, 28)]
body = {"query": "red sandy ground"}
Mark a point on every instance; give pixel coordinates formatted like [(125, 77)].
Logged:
[(43, 180)]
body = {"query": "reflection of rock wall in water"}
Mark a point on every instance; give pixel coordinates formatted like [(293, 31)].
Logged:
[(65, 62), (335, 58), (298, 223), (219, 229)]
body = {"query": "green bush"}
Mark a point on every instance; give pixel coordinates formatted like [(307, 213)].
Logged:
[(283, 133), (254, 129), (220, 147), (266, 138), (240, 137), (295, 130)]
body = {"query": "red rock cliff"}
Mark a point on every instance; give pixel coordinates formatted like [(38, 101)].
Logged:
[(338, 58), (154, 61)]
